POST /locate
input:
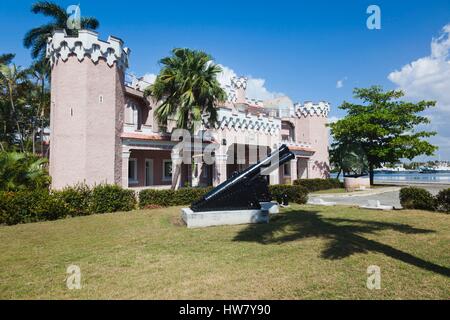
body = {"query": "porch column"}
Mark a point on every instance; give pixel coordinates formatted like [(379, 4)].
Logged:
[(125, 159), (294, 170), (220, 169), (309, 169), (176, 169), (197, 163)]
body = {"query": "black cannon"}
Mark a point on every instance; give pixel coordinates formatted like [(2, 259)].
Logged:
[(246, 189)]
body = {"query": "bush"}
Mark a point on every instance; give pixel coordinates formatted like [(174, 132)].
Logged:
[(313, 185), (111, 198), (296, 193), (417, 198), (443, 200), (77, 199), (166, 198), (30, 206)]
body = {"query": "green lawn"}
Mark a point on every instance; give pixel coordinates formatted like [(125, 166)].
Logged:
[(306, 252)]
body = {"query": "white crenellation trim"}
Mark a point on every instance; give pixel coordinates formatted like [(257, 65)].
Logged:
[(321, 109), (239, 82), (245, 122), (87, 44)]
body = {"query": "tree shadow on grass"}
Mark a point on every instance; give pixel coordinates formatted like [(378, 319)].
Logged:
[(345, 236)]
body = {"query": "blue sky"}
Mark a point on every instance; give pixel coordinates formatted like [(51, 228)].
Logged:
[(300, 48)]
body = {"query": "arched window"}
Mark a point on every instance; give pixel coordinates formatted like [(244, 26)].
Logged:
[(133, 115), (288, 131)]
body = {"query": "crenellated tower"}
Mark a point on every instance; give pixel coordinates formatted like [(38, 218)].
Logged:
[(311, 126), (86, 116)]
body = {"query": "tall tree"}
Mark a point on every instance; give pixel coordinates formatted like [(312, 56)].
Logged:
[(188, 90), (41, 98), (36, 38), (6, 58), (386, 128), (12, 80)]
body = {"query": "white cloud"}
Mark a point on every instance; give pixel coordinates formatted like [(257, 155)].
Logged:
[(340, 83), (428, 78), (255, 86), (144, 81), (333, 119)]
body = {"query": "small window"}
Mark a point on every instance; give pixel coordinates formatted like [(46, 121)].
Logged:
[(167, 170), (100, 98), (287, 169), (132, 171)]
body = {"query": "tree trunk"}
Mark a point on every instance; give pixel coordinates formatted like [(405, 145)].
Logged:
[(371, 173), (13, 108)]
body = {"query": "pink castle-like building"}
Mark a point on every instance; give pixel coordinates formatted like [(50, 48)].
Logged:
[(103, 129)]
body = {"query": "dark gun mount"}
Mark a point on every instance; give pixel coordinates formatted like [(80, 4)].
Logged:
[(246, 189)]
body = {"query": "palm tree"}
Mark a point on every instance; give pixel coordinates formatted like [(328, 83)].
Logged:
[(188, 90), (11, 78), (22, 171), (36, 38), (40, 71), (6, 58)]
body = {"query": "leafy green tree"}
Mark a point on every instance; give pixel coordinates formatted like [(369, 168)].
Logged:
[(40, 117), (6, 58), (36, 38), (348, 159), (12, 82), (386, 128), (22, 171), (188, 90)]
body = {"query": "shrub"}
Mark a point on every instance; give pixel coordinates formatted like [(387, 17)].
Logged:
[(443, 200), (30, 206), (296, 193), (313, 185), (77, 199), (22, 171), (417, 198), (111, 198), (165, 198)]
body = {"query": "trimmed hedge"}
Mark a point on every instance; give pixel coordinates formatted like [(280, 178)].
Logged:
[(167, 198), (313, 185), (30, 206), (111, 198), (40, 205), (443, 201), (77, 199), (297, 194), (417, 198)]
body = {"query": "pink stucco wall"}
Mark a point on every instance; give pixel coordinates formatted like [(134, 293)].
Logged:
[(158, 156), (86, 121), (313, 129)]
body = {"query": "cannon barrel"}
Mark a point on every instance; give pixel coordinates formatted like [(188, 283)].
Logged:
[(273, 161)]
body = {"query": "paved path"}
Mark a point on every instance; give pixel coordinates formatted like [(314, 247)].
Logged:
[(387, 196)]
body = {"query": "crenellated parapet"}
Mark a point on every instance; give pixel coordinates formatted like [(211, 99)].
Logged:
[(308, 109), (239, 82), (87, 45), (246, 122)]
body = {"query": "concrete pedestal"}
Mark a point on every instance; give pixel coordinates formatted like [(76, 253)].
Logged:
[(218, 218)]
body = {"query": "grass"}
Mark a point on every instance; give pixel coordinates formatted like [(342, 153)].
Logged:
[(305, 252)]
